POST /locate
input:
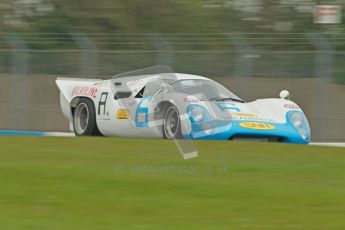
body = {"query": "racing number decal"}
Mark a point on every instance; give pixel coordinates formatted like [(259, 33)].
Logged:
[(141, 115), (102, 102)]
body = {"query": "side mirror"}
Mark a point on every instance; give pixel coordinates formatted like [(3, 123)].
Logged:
[(284, 94)]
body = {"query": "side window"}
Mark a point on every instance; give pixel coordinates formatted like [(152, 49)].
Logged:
[(141, 93), (154, 85)]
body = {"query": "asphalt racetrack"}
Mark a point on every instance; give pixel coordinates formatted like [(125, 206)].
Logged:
[(112, 183)]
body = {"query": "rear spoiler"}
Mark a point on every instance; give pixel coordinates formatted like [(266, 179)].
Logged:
[(66, 85)]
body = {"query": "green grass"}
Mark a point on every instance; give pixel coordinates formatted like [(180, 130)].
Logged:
[(106, 183)]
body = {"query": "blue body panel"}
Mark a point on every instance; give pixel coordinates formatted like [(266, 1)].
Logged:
[(285, 131), (226, 129)]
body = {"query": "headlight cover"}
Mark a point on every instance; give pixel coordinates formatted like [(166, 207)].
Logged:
[(203, 124), (300, 122), (197, 113), (296, 119)]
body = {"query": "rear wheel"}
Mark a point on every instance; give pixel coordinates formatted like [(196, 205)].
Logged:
[(172, 124), (84, 119)]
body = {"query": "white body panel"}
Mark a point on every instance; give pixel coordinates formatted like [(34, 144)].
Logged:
[(102, 93)]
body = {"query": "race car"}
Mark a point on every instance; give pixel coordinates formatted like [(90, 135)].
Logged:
[(177, 106)]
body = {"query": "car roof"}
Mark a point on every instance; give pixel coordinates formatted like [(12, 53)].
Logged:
[(138, 82), (177, 76)]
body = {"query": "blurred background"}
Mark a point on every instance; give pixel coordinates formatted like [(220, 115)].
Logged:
[(255, 47)]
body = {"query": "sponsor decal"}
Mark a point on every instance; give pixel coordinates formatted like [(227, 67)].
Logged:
[(132, 102), (85, 91), (257, 125), (291, 106), (134, 82), (122, 114), (250, 117), (244, 116), (191, 99)]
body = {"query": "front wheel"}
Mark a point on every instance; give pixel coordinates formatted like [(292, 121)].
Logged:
[(172, 124), (84, 119)]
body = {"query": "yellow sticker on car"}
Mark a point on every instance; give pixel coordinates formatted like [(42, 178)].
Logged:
[(122, 114), (257, 125)]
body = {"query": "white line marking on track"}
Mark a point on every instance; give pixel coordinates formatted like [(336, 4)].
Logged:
[(332, 144)]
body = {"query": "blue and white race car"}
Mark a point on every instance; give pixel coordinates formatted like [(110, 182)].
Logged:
[(167, 105)]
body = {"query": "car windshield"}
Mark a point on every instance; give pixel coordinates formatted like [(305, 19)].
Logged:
[(204, 90)]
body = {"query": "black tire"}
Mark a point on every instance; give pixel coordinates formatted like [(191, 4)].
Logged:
[(84, 119), (173, 126)]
